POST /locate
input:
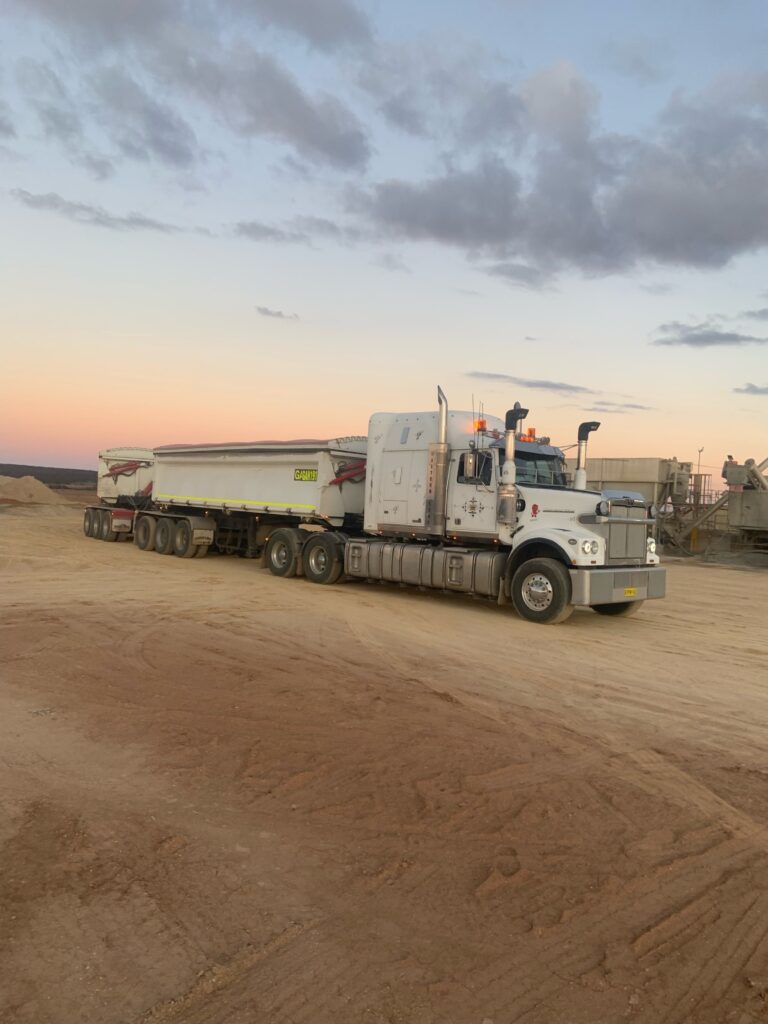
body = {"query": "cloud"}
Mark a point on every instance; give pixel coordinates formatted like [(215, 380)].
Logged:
[(257, 231), (96, 216), (637, 58), (702, 335), (325, 24), (755, 314), (692, 191), (494, 112), (114, 22), (57, 111), (540, 385), (205, 65), (142, 128), (255, 96), (602, 406), (390, 261), (470, 209), (7, 129), (752, 389), (277, 314), (324, 228), (519, 274)]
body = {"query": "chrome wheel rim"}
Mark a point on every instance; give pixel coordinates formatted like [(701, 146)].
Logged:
[(318, 560), (280, 555), (537, 592)]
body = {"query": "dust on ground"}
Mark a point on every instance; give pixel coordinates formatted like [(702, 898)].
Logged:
[(228, 798)]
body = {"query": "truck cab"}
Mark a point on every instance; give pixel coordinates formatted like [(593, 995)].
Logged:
[(445, 478)]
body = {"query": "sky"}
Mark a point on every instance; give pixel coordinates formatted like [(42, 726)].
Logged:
[(238, 219)]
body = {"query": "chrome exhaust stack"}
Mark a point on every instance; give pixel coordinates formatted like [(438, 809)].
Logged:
[(507, 511), (580, 476), (437, 472)]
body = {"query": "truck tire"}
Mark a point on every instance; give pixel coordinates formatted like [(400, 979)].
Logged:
[(96, 523), (323, 558), (183, 545), (105, 526), (145, 533), (541, 591), (88, 522), (164, 536), (282, 553), (620, 608)]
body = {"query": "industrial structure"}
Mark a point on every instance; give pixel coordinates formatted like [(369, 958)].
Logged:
[(693, 518)]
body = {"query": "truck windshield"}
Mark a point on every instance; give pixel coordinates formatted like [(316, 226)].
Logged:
[(535, 468)]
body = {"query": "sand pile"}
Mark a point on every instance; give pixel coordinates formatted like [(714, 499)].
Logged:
[(28, 489)]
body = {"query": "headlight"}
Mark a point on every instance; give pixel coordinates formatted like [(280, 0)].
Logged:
[(590, 547), (603, 508), (651, 546), (595, 547), (652, 512)]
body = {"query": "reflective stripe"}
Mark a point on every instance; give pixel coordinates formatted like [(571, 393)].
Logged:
[(232, 501)]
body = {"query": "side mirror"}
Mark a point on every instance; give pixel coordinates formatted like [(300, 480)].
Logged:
[(476, 467)]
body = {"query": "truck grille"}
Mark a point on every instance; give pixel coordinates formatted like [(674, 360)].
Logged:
[(626, 541)]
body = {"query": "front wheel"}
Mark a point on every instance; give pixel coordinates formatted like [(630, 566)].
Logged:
[(541, 591), (620, 608)]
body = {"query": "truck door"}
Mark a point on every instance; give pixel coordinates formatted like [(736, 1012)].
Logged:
[(472, 494)]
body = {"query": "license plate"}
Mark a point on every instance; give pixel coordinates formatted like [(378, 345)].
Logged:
[(630, 591)]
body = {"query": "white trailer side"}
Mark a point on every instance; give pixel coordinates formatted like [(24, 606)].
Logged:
[(312, 480)]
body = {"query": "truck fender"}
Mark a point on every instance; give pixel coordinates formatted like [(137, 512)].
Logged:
[(536, 547)]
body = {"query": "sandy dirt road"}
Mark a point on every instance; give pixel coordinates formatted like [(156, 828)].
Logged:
[(227, 798)]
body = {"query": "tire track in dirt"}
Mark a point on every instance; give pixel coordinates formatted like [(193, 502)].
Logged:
[(216, 978)]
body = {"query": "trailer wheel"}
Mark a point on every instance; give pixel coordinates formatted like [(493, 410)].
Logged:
[(541, 591), (96, 523), (282, 553), (620, 608), (323, 558), (182, 540), (164, 536), (145, 533), (88, 522), (105, 526)]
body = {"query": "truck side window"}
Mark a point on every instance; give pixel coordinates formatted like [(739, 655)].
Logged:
[(484, 470)]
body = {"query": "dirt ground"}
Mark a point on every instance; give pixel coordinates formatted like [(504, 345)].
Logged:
[(227, 798)]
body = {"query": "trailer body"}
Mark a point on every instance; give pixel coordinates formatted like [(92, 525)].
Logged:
[(125, 476), (309, 480)]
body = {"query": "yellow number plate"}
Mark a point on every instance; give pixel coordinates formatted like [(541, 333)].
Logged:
[(630, 591)]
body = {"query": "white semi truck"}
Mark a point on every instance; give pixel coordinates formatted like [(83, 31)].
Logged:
[(435, 499)]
